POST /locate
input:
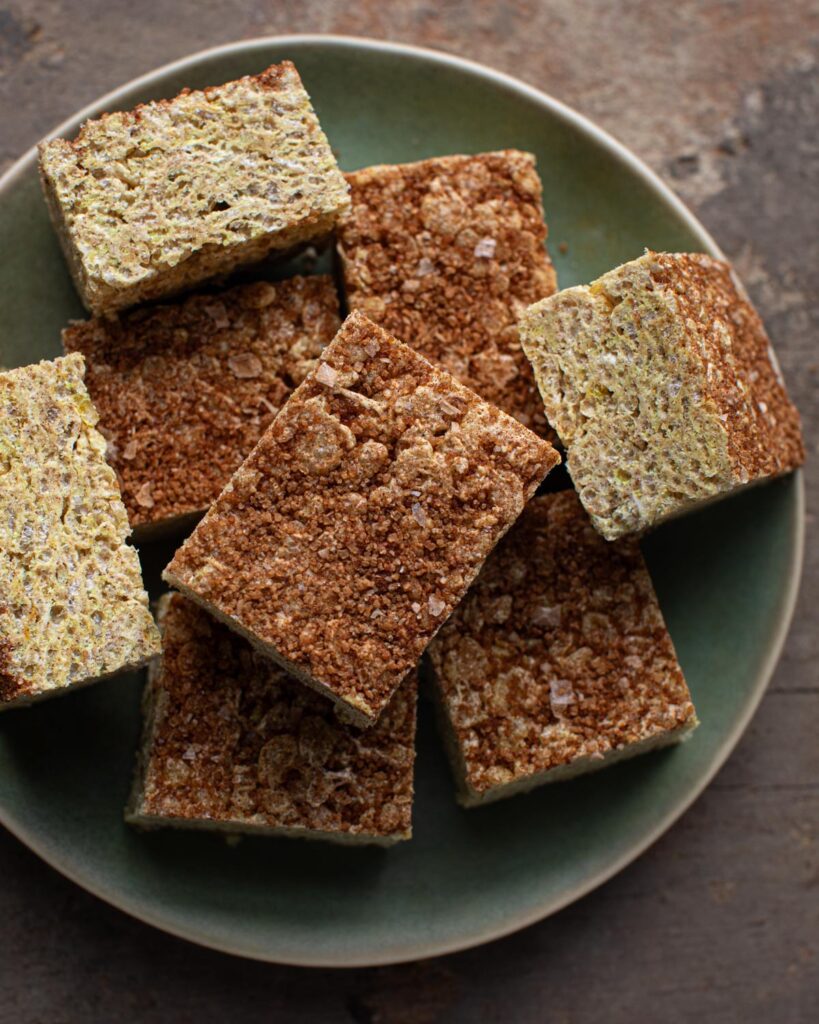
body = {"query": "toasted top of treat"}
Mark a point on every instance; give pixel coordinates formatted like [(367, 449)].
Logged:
[(559, 651), (742, 377), (363, 514), (186, 390), (72, 605), (660, 381), (141, 190), (232, 738), (446, 254)]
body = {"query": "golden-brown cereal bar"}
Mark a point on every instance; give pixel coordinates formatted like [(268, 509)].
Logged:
[(232, 743), (185, 390), (359, 520), (557, 661), (446, 254), (662, 384), (72, 605), (158, 199)]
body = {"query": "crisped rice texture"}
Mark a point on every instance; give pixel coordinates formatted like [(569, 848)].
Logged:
[(157, 199), (661, 382), (234, 743), (446, 254), (185, 390), (558, 660), (72, 604), (361, 517)]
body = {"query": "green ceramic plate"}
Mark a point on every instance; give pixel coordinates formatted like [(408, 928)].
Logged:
[(727, 580)]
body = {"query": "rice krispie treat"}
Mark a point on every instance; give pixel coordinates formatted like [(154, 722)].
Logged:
[(446, 254), (72, 605), (557, 661), (231, 742), (362, 516), (662, 384), (150, 201), (185, 390)]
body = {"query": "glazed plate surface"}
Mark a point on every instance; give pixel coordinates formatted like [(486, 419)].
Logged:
[(726, 577)]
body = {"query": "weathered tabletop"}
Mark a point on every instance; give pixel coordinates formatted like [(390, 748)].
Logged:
[(718, 922)]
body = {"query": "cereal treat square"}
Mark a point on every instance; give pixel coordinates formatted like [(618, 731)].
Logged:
[(446, 254), (185, 390), (361, 517), (662, 384), (558, 660), (72, 605), (154, 200), (232, 743)]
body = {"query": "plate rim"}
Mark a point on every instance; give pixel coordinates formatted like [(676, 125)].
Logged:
[(652, 180)]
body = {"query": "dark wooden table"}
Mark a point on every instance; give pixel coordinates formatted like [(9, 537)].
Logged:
[(719, 922)]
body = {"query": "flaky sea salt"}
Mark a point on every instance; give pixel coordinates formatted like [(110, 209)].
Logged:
[(436, 605), (418, 514), (561, 694), (544, 615), (245, 365), (425, 266), (325, 374), (485, 249), (218, 314), (144, 496)]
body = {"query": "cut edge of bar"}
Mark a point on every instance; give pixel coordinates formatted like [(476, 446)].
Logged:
[(27, 699), (467, 796)]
